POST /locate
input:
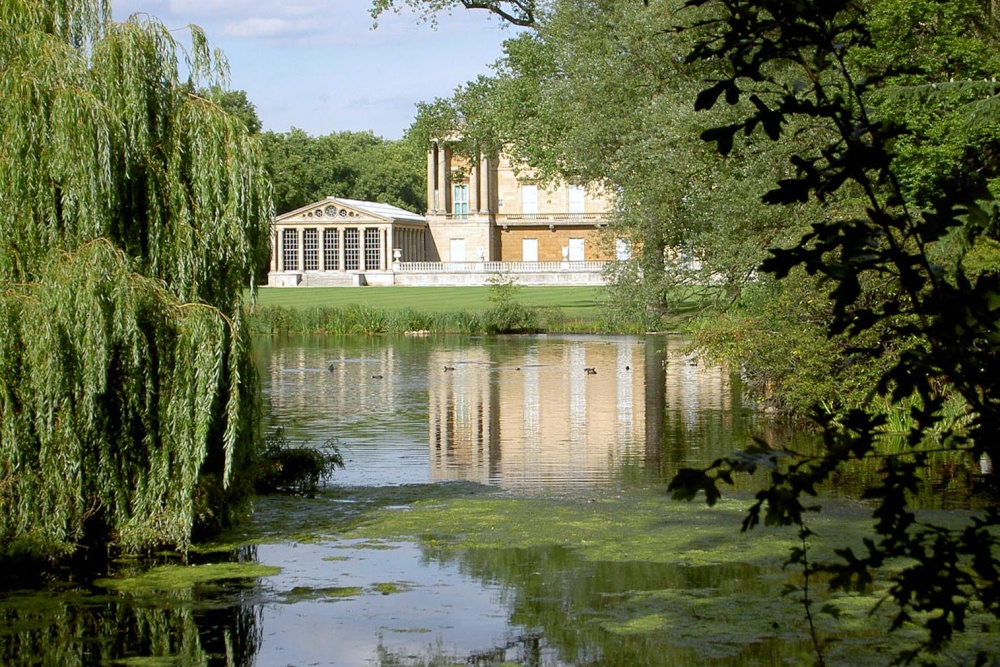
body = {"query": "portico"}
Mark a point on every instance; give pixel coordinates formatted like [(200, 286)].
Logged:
[(338, 241)]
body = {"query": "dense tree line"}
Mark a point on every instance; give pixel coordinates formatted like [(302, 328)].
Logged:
[(355, 165)]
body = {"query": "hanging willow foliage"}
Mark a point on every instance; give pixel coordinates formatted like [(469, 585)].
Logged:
[(131, 215)]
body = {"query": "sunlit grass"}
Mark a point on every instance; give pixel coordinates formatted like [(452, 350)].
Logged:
[(575, 302), (374, 310), (371, 310)]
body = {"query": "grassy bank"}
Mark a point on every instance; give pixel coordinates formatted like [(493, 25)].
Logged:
[(504, 308), (470, 310), (576, 302)]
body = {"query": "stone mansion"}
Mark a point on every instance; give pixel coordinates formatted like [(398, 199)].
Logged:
[(484, 217)]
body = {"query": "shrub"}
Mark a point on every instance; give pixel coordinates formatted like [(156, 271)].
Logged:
[(287, 468), (507, 315)]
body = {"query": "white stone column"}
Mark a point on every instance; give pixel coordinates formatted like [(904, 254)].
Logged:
[(321, 247), (443, 181), (474, 174), (274, 249), (387, 249), (487, 198), (341, 257), (432, 193), (361, 248), (298, 238)]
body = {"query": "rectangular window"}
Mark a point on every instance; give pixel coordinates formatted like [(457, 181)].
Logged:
[(460, 202), (576, 250), (529, 199), (529, 250), (373, 249), (290, 249), (331, 250), (310, 250), (576, 194), (456, 250), (352, 258)]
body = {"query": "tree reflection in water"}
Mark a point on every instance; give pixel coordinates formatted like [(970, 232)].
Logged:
[(217, 625)]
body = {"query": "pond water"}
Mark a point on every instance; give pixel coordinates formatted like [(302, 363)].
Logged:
[(521, 414), (511, 423), (516, 412)]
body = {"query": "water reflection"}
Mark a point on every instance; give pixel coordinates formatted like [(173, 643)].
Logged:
[(580, 608), (518, 412), (79, 627)]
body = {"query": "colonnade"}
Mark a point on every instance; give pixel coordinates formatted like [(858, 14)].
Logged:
[(439, 181), (342, 248), (411, 244)]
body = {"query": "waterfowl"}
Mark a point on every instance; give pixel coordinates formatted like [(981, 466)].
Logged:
[(590, 371), (376, 377), (330, 368), (449, 368)]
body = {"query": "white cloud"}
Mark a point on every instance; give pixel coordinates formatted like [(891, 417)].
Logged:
[(318, 65), (197, 8), (269, 28)]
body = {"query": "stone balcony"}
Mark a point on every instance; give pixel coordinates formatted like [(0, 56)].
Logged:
[(506, 220)]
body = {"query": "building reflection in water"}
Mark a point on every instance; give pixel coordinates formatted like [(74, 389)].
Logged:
[(518, 412), (529, 415)]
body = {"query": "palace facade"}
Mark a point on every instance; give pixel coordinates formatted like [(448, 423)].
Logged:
[(484, 217), (334, 242), (486, 209)]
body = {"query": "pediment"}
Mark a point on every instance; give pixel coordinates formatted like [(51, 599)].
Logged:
[(329, 211), (337, 211)]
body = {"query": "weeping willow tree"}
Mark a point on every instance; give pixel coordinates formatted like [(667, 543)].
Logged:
[(132, 213)]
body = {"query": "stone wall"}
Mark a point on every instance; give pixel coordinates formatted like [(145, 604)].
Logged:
[(551, 242)]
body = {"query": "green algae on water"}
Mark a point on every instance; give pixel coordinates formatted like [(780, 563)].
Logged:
[(303, 593), (179, 577), (392, 587)]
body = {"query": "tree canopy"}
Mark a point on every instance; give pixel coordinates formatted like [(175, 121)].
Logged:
[(517, 12), (903, 240), (355, 165), (132, 214)]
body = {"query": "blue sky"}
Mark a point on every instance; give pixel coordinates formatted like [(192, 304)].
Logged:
[(318, 65)]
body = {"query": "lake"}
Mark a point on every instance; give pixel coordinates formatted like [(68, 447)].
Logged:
[(500, 505)]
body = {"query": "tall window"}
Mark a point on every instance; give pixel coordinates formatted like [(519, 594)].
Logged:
[(310, 250), (351, 249), (576, 205), (456, 250), (460, 202), (529, 250), (331, 250), (529, 199), (373, 249), (290, 249)]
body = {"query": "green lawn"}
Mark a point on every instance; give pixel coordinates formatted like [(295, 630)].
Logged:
[(582, 303)]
